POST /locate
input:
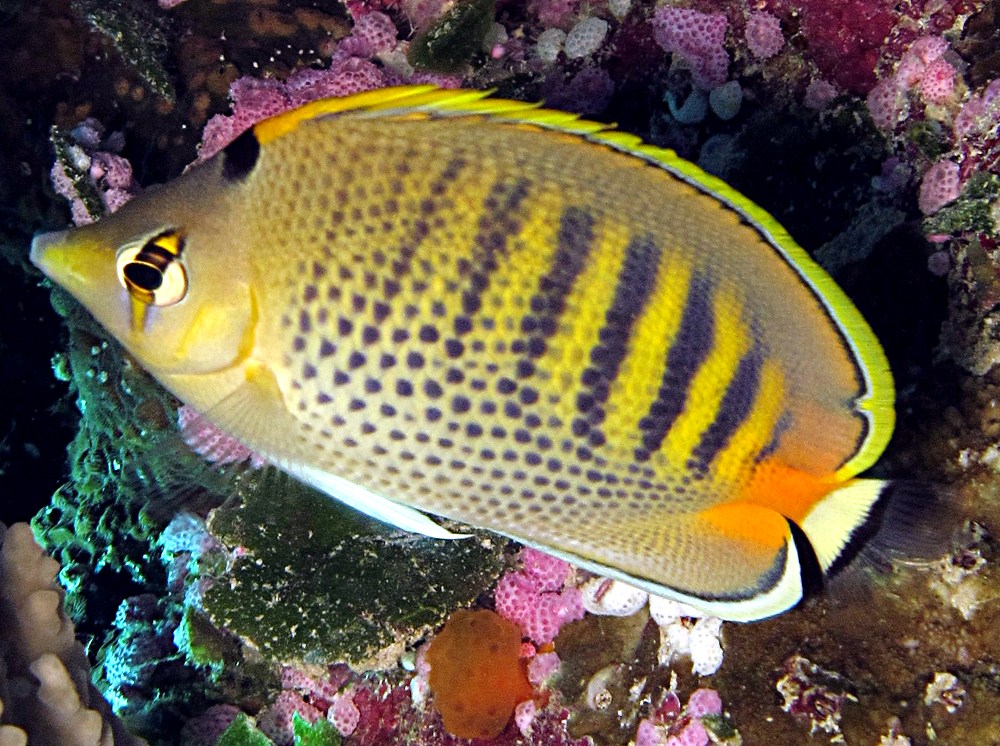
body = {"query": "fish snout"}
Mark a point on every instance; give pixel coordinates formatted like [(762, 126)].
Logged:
[(41, 244)]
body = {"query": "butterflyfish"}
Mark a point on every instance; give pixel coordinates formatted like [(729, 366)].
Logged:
[(436, 303)]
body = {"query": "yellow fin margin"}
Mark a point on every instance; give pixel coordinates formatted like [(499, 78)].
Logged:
[(875, 402)]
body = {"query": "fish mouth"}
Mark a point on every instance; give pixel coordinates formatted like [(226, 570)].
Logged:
[(42, 245)]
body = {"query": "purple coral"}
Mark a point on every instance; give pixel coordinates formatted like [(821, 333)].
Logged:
[(697, 38), (923, 69), (980, 113), (92, 156), (534, 597), (255, 100), (588, 92), (669, 726), (343, 713), (205, 729), (554, 13), (940, 185), (313, 699), (277, 721), (372, 34), (763, 35)]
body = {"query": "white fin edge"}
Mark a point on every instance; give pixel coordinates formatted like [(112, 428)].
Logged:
[(831, 522), (370, 503), (783, 595)]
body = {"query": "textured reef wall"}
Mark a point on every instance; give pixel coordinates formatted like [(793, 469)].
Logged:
[(220, 603)]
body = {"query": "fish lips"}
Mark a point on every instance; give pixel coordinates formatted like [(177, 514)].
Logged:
[(42, 245)]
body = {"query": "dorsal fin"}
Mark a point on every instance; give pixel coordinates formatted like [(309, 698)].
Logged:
[(422, 102)]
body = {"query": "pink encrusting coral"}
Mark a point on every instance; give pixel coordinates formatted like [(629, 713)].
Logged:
[(698, 39), (981, 112), (923, 70), (670, 726), (940, 185), (535, 597), (554, 13), (763, 35), (343, 713), (91, 155), (277, 721), (313, 699), (255, 100)]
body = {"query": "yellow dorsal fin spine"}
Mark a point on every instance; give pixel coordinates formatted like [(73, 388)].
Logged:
[(876, 400)]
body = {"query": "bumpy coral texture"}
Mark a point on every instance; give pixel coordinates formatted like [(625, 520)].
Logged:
[(844, 38), (922, 70), (763, 33), (939, 186), (698, 39), (534, 597), (476, 674), (45, 691)]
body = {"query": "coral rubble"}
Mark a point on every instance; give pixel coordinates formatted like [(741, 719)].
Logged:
[(222, 604)]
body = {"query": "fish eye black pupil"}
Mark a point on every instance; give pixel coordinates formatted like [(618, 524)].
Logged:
[(143, 276)]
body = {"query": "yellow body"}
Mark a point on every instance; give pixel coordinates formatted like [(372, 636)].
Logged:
[(422, 299)]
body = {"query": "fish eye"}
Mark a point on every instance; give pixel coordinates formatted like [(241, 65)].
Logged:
[(152, 271)]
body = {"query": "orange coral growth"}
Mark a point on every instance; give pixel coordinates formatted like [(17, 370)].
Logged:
[(476, 674)]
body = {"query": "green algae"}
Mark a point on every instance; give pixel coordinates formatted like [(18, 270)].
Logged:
[(129, 471), (451, 42), (972, 211), (316, 582), (929, 136), (320, 733), (242, 733)]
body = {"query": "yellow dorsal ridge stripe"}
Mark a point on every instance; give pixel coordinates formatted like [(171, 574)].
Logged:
[(875, 401)]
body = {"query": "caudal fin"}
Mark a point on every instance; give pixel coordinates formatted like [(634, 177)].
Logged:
[(884, 520)]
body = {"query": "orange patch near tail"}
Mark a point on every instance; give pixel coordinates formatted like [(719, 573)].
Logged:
[(476, 673), (787, 491), (757, 525)]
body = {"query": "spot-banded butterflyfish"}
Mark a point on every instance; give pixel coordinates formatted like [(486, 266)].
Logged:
[(423, 301)]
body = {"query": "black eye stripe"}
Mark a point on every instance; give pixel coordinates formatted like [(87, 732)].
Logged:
[(155, 256)]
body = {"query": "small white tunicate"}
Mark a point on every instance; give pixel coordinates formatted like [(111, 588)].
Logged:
[(607, 597), (667, 611), (550, 44), (726, 99), (586, 37), (706, 649), (717, 154), (619, 8), (692, 111), (675, 640)]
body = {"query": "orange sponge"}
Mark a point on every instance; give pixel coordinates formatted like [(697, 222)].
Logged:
[(476, 673)]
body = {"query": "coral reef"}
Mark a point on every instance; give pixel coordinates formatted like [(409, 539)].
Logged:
[(870, 131), (45, 691), (536, 597)]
